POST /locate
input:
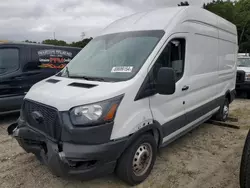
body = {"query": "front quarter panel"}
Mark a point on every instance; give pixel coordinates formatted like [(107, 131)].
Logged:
[(131, 117)]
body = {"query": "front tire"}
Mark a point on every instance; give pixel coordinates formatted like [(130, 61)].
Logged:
[(137, 161), (245, 164)]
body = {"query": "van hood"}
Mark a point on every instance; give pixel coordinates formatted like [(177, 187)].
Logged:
[(65, 93), (246, 69)]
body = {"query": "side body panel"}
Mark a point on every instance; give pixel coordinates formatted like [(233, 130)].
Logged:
[(203, 73), (169, 110), (184, 110), (228, 48)]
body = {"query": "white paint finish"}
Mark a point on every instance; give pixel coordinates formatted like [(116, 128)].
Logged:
[(64, 97), (246, 69), (193, 124), (209, 70), (156, 19), (227, 61), (202, 58), (168, 107), (131, 114), (244, 56)]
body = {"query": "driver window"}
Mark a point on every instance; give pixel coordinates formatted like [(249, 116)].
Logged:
[(172, 56)]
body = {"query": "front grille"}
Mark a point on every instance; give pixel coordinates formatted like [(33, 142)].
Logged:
[(50, 121)]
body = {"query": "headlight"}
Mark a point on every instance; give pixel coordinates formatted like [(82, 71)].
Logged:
[(247, 76), (96, 113)]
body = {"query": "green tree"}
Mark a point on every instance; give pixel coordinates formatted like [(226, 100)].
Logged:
[(55, 42), (29, 41), (237, 12), (82, 43), (184, 3)]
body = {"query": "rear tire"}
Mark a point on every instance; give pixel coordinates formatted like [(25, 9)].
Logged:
[(223, 113), (137, 161), (245, 164)]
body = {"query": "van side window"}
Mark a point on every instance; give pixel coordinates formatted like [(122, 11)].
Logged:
[(172, 56), (9, 60)]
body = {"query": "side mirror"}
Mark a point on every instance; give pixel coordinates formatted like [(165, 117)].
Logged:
[(165, 83)]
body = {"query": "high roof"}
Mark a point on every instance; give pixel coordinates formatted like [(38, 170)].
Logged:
[(160, 19)]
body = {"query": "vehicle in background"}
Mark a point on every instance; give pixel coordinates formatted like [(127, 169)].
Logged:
[(146, 80), (24, 64), (243, 74)]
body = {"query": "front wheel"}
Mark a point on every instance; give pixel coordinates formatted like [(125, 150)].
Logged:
[(137, 161)]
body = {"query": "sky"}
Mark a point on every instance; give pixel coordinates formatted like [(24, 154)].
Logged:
[(37, 20)]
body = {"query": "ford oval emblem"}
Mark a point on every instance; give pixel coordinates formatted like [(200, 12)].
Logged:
[(37, 116)]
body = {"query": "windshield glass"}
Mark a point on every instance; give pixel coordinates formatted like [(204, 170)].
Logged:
[(9, 60), (113, 57), (244, 62)]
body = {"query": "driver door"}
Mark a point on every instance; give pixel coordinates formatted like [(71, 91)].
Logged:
[(169, 110)]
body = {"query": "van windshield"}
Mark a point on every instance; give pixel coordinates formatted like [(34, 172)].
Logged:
[(244, 62), (9, 60), (113, 57)]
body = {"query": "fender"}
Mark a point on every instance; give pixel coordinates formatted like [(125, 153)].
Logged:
[(156, 130)]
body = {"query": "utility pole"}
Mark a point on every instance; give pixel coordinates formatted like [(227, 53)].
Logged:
[(83, 35), (54, 34)]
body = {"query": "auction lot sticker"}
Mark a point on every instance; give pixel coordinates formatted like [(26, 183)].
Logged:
[(122, 69)]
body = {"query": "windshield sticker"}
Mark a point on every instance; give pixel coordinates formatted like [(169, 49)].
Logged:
[(122, 69)]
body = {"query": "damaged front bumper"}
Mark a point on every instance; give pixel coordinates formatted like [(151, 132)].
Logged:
[(67, 159)]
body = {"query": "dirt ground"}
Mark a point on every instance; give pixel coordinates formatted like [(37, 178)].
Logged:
[(207, 157)]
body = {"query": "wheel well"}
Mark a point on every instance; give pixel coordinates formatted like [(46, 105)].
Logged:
[(156, 135), (228, 96), (153, 129)]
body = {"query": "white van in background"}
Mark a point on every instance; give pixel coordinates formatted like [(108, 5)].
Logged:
[(243, 74), (145, 81)]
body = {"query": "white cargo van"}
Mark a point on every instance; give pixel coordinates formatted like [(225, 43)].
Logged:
[(145, 81)]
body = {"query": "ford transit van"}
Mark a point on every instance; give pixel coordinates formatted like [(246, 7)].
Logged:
[(146, 80), (24, 64)]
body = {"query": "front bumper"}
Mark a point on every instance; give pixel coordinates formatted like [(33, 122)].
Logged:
[(67, 159)]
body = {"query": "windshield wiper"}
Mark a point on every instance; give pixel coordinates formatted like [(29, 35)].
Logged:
[(67, 72), (92, 78)]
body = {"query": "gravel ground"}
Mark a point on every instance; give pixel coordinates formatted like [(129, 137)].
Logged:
[(208, 157)]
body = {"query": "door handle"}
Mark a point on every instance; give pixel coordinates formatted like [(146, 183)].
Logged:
[(185, 88)]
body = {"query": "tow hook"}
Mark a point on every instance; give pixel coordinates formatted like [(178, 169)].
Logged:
[(11, 129)]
